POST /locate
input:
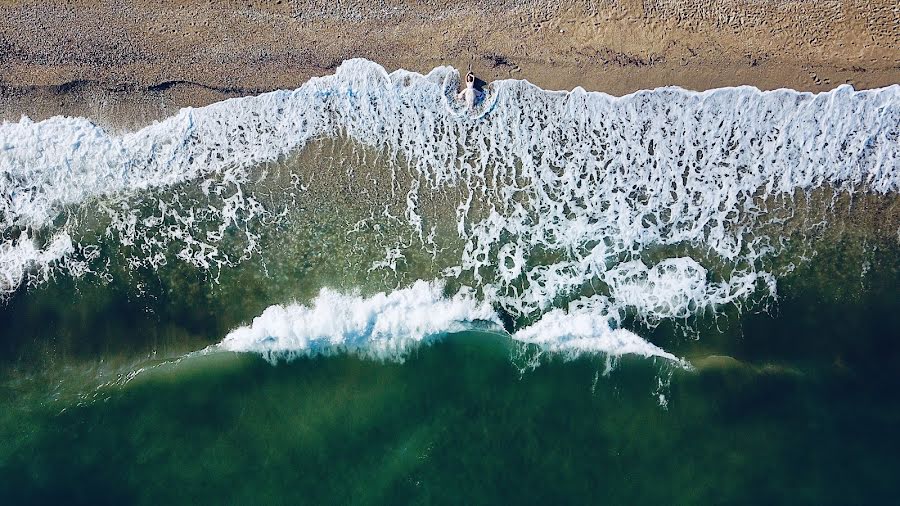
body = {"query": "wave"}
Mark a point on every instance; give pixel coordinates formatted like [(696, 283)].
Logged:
[(558, 190), (380, 326), (388, 326)]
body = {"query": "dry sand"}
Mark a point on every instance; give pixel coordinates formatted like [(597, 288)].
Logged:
[(127, 62)]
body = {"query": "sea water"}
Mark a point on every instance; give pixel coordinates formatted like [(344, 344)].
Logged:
[(358, 291)]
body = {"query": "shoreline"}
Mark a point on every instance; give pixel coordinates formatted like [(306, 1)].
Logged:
[(127, 65), (129, 109)]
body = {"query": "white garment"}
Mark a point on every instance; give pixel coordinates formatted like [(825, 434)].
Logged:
[(470, 95)]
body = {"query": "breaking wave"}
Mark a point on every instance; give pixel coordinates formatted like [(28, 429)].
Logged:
[(388, 326)]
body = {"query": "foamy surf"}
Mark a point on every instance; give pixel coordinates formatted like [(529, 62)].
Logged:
[(587, 182), (383, 326), (388, 326)]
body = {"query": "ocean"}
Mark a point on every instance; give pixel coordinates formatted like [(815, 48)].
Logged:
[(360, 292)]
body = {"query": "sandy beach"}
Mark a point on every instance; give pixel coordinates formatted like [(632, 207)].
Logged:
[(127, 63)]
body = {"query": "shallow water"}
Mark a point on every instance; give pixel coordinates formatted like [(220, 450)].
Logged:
[(356, 292)]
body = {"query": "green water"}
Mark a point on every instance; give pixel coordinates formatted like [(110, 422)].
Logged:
[(797, 406), (103, 399)]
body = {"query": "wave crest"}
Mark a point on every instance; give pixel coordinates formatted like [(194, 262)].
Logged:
[(387, 326)]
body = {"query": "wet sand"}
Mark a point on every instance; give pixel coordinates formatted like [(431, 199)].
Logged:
[(127, 63)]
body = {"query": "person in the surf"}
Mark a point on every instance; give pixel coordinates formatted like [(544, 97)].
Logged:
[(470, 95)]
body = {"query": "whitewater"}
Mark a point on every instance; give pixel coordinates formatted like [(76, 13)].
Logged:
[(574, 210)]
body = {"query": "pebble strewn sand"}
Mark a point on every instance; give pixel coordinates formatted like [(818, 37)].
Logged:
[(126, 63)]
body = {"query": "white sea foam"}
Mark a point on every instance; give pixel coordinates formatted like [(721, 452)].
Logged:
[(22, 257), (677, 287), (383, 326), (591, 181), (779, 140), (585, 328), (387, 326)]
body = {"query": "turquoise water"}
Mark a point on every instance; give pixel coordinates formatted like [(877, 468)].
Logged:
[(551, 301), (799, 403), (806, 409)]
